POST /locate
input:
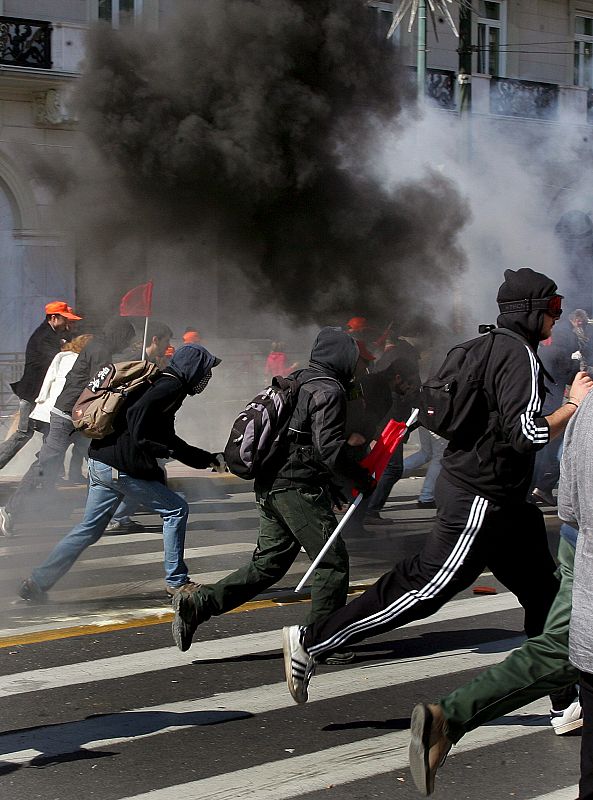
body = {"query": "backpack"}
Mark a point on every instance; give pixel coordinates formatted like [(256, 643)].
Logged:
[(259, 431), (101, 400), (453, 403)]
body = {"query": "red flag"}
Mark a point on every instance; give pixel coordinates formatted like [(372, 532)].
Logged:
[(137, 302), (391, 436)]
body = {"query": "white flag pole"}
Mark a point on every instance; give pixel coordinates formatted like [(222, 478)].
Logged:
[(412, 419), (144, 342)]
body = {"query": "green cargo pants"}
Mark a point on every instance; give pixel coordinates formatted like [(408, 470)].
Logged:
[(535, 669), (288, 520)]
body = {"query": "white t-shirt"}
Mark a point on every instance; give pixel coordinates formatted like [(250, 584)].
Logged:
[(53, 383)]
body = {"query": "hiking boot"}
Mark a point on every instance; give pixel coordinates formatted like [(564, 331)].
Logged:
[(190, 586), (32, 592), (299, 666), (337, 658), (124, 527), (189, 613), (544, 497), (5, 522), (567, 720), (429, 745)]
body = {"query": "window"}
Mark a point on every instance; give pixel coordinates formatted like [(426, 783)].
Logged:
[(583, 50), (383, 18), (119, 12), (491, 25)]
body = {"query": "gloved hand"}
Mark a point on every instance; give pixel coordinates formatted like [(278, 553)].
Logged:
[(219, 464), (366, 485)]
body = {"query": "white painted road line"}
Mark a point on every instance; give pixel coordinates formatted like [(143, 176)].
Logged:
[(111, 729), (219, 649)]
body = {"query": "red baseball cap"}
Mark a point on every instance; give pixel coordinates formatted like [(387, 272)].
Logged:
[(191, 337), (61, 309), (357, 324)]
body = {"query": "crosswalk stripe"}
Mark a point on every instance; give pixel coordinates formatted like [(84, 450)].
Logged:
[(335, 766), (111, 729), (569, 793), (220, 649)]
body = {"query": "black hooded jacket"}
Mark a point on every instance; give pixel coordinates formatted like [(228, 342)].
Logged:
[(44, 343), (146, 430), (116, 336), (316, 447), (499, 466)]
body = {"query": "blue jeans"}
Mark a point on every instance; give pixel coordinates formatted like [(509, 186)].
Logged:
[(106, 490), (431, 451), (20, 437)]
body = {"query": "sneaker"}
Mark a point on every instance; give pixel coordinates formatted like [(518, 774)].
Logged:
[(542, 496), (337, 658), (124, 527), (5, 522), (568, 720), (299, 666), (189, 613), (377, 519), (429, 745), (426, 504), (31, 592), (173, 591)]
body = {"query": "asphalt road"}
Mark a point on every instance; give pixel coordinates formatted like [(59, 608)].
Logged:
[(97, 702)]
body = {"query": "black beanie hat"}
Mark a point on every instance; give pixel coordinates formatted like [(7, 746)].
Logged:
[(522, 284)]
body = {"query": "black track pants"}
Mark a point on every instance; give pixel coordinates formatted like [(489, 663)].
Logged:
[(469, 534)]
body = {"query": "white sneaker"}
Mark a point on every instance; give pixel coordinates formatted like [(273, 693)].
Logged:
[(299, 666), (568, 720), (5, 522)]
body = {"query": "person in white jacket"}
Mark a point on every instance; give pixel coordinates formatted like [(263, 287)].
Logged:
[(51, 388)]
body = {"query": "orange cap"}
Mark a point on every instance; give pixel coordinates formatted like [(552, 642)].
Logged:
[(61, 308), (191, 337), (357, 324)]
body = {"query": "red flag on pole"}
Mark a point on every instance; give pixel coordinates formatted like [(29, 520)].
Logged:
[(390, 437), (137, 302)]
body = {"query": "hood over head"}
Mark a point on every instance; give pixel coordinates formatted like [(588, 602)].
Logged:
[(335, 351), (192, 363), (118, 334), (524, 284)]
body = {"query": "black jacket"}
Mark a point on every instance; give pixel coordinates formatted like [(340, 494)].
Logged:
[(499, 465), (99, 351), (146, 430), (44, 343), (316, 448)]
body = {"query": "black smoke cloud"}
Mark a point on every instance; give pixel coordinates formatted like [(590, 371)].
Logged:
[(252, 122)]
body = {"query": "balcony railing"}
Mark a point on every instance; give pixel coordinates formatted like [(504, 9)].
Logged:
[(515, 98), (25, 43)]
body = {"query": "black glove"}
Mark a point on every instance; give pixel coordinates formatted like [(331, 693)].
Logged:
[(366, 484), (196, 458)]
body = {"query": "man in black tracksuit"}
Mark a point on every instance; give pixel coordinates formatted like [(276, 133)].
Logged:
[(294, 499), (124, 465), (483, 519), (43, 474)]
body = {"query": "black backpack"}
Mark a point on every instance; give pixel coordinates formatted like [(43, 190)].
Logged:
[(259, 432), (453, 403)]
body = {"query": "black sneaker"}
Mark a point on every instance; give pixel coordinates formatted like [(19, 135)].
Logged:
[(337, 658), (31, 592), (426, 504), (544, 497), (377, 519), (189, 613)]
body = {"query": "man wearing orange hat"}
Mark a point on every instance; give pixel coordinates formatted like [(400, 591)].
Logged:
[(45, 342)]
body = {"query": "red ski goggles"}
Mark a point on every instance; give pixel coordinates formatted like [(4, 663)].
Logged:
[(551, 305)]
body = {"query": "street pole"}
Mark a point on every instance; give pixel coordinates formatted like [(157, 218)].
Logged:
[(421, 47)]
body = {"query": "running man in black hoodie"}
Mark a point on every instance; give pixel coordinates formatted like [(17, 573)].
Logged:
[(294, 500), (124, 465), (483, 519)]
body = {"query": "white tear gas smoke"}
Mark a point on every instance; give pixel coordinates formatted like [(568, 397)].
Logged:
[(230, 130)]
